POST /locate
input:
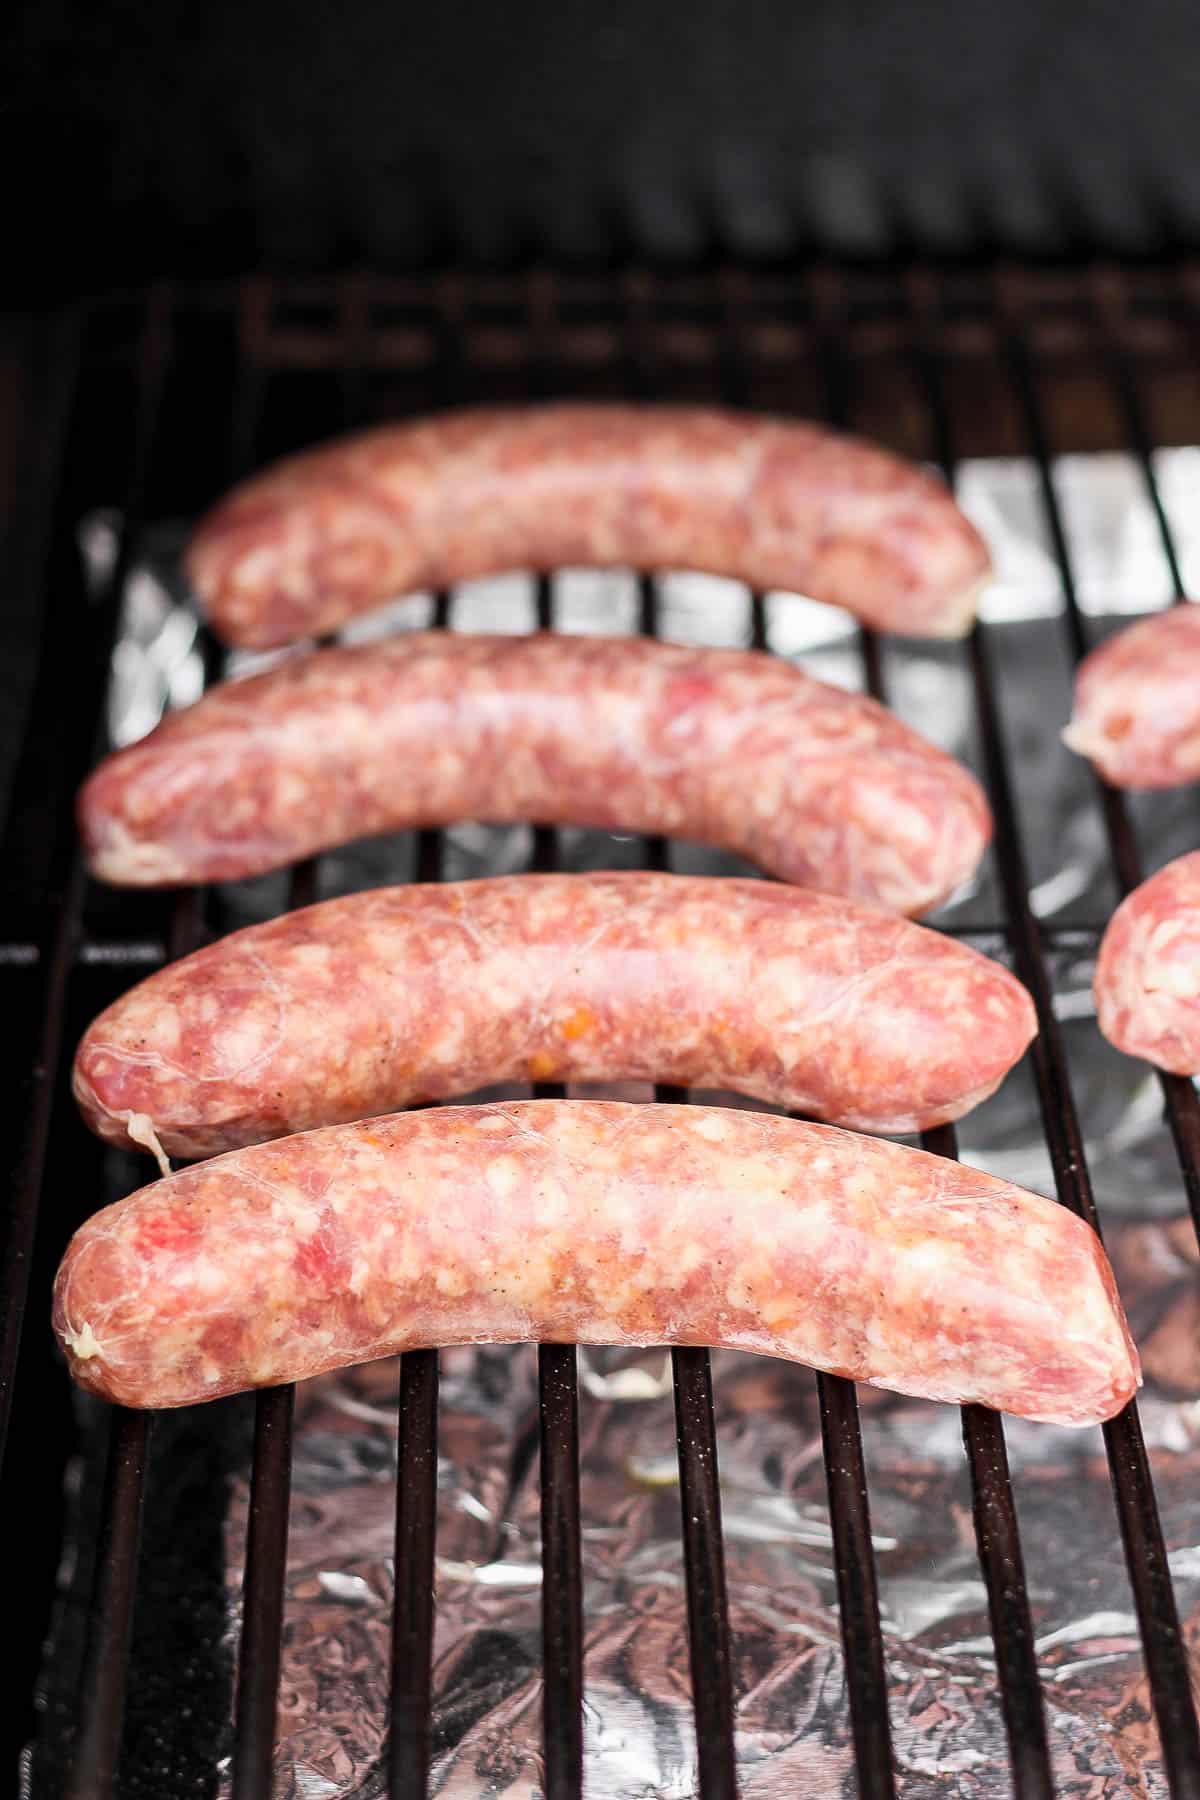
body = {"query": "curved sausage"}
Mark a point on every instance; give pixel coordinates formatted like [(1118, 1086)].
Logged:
[(1147, 982), (311, 542), (733, 747), (595, 1223), (1137, 702), (380, 1000)]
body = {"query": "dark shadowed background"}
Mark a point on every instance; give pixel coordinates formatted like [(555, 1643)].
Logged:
[(152, 136)]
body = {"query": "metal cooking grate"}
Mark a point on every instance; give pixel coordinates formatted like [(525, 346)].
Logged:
[(157, 400)]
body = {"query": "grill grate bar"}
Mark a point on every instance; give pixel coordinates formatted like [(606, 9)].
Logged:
[(1008, 1601), (997, 1533), (1137, 1508), (430, 856), (106, 1666), (709, 1649), (410, 1704), (263, 1594), (75, 714), (409, 1746), (998, 1540), (857, 1585), (850, 1522), (704, 1555), (1136, 431), (1154, 1597), (558, 1418), (266, 1549), (562, 1572), (264, 1584), (1179, 1095), (704, 1564), (704, 1559), (114, 1588), (102, 1706), (647, 590), (1060, 1121), (708, 1624), (994, 1509), (841, 1430), (264, 1579), (1180, 1098)]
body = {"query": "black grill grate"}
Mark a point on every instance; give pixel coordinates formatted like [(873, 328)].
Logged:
[(154, 402)]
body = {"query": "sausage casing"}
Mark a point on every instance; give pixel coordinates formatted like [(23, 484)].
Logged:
[(592, 1222), (306, 545), (1137, 702), (731, 747), (379, 1000), (1147, 982)]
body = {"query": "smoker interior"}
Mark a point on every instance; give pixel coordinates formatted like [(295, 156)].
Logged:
[(151, 402)]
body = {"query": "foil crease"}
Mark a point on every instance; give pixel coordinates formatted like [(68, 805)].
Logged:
[(793, 1731)]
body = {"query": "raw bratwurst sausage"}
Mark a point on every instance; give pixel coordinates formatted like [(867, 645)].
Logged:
[(302, 548), (733, 747), (1137, 702), (373, 1002), (1147, 983), (595, 1223)]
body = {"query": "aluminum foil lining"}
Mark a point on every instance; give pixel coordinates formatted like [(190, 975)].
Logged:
[(792, 1714)]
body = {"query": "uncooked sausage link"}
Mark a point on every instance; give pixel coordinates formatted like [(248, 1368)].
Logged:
[(731, 747), (1147, 981), (587, 1222), (1137, 702), (306, 545), (380, 1000)]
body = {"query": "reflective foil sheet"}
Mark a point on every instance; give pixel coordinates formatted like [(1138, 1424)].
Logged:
[(792, 1714)]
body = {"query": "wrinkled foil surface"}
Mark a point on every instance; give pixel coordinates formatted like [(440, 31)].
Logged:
[(792, 1712)]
